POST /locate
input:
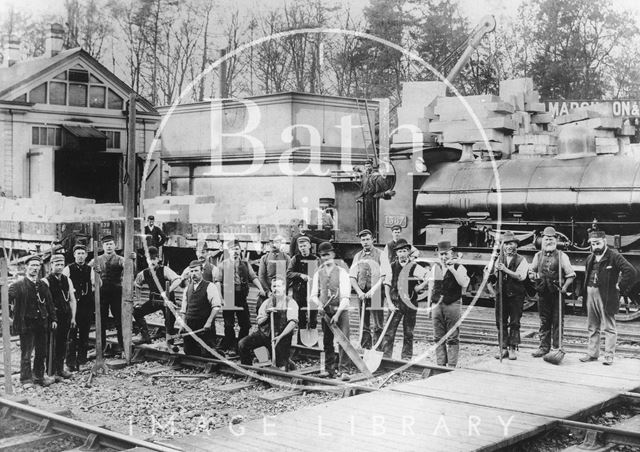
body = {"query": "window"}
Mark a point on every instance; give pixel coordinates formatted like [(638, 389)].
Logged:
[(115, 101), (38, 95), (61, 76), (96, 96), (78, 75), (46, 136), (58, 93), (113, 139), (22, 98), (77, 95)]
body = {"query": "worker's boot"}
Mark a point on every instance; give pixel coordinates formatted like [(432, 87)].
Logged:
[(441, 355), (452, 354)]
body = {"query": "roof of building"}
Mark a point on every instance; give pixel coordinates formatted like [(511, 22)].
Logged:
[(24, 72)]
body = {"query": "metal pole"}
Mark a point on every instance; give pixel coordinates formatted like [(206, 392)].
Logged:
[(6, 338), (99, 364), (129, 212), (500, 313)]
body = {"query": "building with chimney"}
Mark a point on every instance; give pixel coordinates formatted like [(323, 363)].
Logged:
[(63, 125)]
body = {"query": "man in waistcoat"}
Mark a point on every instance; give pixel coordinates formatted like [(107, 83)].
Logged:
[(606, 274), (389, 252), (300, 267), (109, 267), (81, 276), (545, 271), (513, 269), (447, 281), (201, 303), (209, 271), (269, 264), (155, 236), (33, 315), (402, 289), (285, 313), (330, 291), (366, 279), (155, 302), (64, 300), (238, 287)]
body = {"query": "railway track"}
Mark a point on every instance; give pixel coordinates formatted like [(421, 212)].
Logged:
[(48, 426)]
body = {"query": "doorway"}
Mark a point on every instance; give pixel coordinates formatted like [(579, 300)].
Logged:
[(93, 175)]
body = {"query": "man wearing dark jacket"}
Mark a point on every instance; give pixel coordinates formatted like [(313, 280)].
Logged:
[(33, 314), (302, 267), (606, 272)]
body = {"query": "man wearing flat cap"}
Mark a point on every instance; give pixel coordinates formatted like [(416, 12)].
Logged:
[(155, 236), (606, 274), (110, 267), (373, 185), (64, 300), (275, 261), (156, 301), (82, 277), (367, 278), (301, 269), (201, 302), (33, 315), (407, 278), (447, 281), (513, 268), (236, 285), (548, 268), (330, 292)]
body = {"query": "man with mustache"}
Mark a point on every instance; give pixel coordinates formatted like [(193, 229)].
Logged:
[(606, 273), (513, 269), (545, 271)]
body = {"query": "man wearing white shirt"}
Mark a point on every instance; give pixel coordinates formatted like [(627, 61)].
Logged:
[(446, 284), (201, 303)]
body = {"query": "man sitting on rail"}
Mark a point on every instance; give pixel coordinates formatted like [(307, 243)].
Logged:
[(547, 268), (155, 302), (447, 282), (284, 310), (274, 261), (200, 304), (605, 271)]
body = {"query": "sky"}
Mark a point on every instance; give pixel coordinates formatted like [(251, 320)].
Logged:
[(474, 9)]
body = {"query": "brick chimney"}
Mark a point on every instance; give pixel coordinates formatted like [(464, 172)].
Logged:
[(53, 43)]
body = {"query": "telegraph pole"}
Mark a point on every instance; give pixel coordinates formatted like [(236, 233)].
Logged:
[(6, 339), (129, 201)]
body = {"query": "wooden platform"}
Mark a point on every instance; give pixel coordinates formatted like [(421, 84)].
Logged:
[(484, 407)]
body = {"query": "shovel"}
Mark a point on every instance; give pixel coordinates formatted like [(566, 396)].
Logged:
[(372, 358), (556, 356), (273, 340), (363, 306)]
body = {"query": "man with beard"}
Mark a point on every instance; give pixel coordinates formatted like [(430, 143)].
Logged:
[(110, 267), (285, 312), (446, 284), (269, 265), (547, 268), (330, 291), (156, 302), (403, 305), (201, 303), (33, 314), (366, 279), (606, 272), (238, 282), (513, 269), (300, 267), (82, 279)]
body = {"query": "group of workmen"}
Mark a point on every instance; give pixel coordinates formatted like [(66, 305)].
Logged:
[(53, 315)]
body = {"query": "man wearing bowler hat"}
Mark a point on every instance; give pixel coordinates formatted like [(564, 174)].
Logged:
[(447, 281), (331, 291), (33, 315), (389, 253), (110, 267), (606, 273), (513, 268), (548, 268)]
